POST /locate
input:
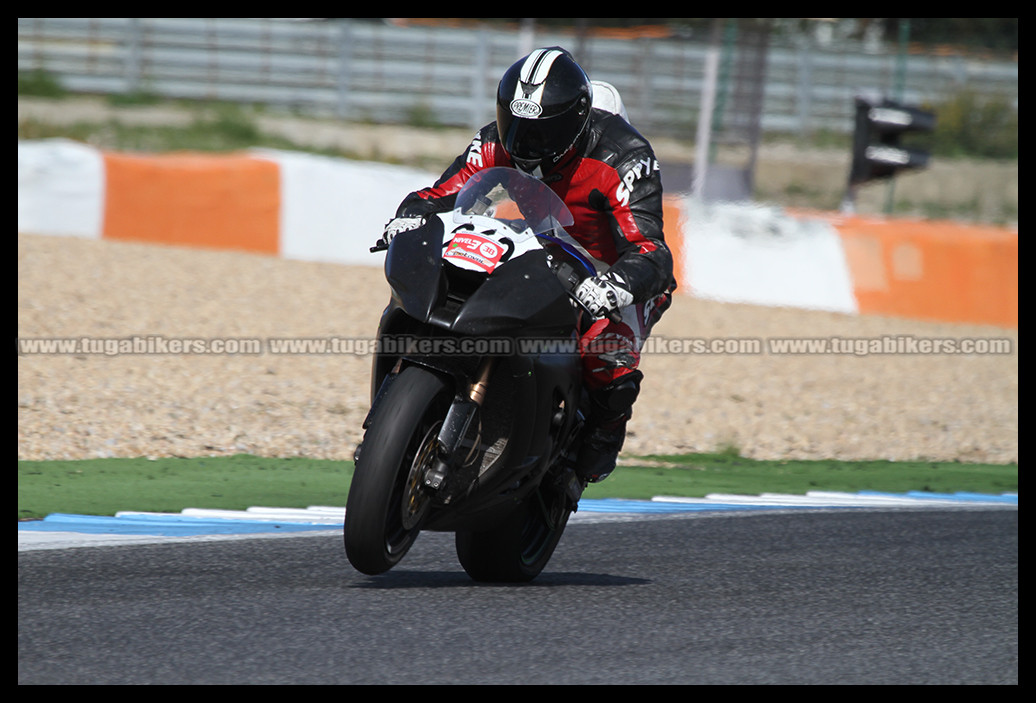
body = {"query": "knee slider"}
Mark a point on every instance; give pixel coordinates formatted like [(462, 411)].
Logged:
[(619, 395)]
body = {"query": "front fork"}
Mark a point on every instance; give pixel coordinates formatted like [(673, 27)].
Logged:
[(453, 448)]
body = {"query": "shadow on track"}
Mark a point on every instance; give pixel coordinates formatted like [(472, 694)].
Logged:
[(401, 578)]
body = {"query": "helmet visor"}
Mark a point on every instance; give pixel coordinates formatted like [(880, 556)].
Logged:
[(542, 140)]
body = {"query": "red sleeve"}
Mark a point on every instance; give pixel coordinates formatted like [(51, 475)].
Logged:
[(483, 152)]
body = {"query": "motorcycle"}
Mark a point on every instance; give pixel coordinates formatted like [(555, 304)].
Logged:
[(477, 395)]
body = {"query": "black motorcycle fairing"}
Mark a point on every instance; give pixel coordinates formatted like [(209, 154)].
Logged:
[(413, 268), (520, 298)]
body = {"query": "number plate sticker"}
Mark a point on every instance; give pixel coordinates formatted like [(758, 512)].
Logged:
[(474, 252)]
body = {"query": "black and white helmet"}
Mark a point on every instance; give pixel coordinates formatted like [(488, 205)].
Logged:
[(542, 109)]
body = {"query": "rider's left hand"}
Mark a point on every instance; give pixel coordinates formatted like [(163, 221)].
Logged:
[(604, 294)]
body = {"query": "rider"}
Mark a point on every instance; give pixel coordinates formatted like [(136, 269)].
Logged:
[(549, 124)]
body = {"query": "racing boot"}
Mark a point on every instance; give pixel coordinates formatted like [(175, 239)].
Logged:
[(611, 408)]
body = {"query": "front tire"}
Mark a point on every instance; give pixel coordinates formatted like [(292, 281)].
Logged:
[(387, 501)]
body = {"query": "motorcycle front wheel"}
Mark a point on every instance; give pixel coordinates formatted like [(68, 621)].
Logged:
[(386, 500)]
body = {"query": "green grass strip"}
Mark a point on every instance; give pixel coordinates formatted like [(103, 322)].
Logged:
[(105, 486), (695, 475)]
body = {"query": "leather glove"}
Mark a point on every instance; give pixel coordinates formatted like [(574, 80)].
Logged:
[(400, 224), (604, 294)]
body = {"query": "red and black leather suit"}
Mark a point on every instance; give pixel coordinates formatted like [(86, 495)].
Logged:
[(611, 182)]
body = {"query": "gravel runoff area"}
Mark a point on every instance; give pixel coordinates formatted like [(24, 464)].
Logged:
[(86, 403)]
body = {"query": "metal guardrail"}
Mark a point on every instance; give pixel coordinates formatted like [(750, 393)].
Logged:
[(366, 70)]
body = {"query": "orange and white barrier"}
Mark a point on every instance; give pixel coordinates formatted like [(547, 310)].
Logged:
[(917, 269), (932, 270), (315, 208), (290, 204)]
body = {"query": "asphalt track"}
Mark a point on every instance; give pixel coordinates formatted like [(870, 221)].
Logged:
[(816, 596)]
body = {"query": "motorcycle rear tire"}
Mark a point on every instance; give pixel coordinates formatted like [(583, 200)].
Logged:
[(515, 551), (376, 533)]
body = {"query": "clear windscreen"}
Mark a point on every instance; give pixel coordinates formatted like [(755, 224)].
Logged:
[(514, 197)]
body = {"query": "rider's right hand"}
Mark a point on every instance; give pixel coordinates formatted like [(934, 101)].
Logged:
[(400, 224)]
